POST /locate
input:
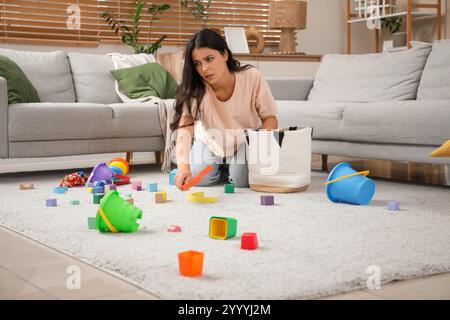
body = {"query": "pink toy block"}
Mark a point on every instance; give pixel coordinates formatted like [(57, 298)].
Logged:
[(174, 228), (249, 241), (136, 184)]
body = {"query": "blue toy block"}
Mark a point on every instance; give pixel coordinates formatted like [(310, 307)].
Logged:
[(172, 175), (152, 187), (393, 206), (60, 189), (99, 189)]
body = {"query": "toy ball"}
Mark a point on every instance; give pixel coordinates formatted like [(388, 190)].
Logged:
[(119, 165)]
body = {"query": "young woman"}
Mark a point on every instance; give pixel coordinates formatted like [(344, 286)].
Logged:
[(222, 98)]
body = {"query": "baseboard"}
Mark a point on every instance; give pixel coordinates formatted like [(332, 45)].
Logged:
[(71, 162)]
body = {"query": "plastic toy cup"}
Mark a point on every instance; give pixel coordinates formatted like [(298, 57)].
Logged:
[(191, 263), (121, 215), (101, 172), (222, 228), (357, 189)]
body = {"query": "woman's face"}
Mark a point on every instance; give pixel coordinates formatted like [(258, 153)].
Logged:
[(210, 64)]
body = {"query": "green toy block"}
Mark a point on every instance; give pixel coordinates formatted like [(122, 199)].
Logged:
[(222, 228), (74, 202), (97, 197), (92, 224), (128, 195), (229, 188)]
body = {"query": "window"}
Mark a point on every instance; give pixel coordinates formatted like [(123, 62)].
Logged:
[(78, 22)]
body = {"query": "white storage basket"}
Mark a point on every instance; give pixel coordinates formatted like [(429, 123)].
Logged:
[(279, 160)]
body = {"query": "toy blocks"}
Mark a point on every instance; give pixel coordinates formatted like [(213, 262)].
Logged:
[(267, 200), (74, 202), (51, 203), (92, 225), (172, 175), (89, 189), (110, 187), (136, 185), (98, 189), (173, 228), (190, 263), (130, 200), (393, 206), (222, 228), (152, 187), (23, 186), (160, 197), (97, 198), (60, 189), (229, 188), (249, 241), (199, 197)]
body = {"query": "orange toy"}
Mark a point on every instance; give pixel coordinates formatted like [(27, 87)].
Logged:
[(191, 263), (197, 178)]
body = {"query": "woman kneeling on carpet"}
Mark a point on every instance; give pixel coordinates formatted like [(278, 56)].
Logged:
[(222, 98)]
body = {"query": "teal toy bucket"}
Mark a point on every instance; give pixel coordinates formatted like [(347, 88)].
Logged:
[(357, 189)]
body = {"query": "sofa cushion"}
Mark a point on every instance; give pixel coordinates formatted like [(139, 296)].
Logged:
[(136, 120), (146, 80), (403, 122), (20, 89), (59, 121), (49, 72), (92, 78), (370, 77), (435, 81)]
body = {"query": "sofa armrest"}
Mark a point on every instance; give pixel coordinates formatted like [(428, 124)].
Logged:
[(3, 118), (290, 88)]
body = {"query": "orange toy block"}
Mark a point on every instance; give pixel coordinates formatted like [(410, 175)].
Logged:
[(23, 186), (197, 178), (160, 197)]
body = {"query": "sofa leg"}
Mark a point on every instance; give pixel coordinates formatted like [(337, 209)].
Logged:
[(159, 156), (324, 162), (129, 157)]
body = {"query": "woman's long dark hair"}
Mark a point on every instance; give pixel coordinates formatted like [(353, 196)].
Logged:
[(192, 86)]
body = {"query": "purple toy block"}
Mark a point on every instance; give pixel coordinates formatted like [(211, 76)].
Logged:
[(267, 201), (393, 206), (51, 203), (138, 188), (112, 187)]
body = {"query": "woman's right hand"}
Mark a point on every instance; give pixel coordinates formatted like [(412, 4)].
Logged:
[(183, 176)]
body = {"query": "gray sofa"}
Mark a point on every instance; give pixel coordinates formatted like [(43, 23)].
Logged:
[(80, 112), (392, 106), (384, 106)]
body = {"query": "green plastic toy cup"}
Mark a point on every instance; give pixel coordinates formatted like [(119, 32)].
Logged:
[(117, 215), (222, 228)]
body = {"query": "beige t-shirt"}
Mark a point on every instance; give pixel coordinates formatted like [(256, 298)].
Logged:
[(221, 124)]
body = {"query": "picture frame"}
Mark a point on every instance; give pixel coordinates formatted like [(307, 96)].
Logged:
[(236, 39)]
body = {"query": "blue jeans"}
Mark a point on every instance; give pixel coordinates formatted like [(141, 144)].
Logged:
[(233, 168)]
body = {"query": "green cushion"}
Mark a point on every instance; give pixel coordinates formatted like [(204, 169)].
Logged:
[(20, 89), (146, 80)]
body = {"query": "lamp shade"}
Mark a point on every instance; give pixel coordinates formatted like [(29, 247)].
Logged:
[(287, 14)]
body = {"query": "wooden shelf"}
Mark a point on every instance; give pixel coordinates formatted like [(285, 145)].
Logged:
[(398, 14), (411, 5), (278, 57)]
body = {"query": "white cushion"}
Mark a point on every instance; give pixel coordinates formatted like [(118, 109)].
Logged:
[(370, 77)]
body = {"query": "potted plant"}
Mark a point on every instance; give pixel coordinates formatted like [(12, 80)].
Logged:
[(199, 9), (130, 32), (394, 25)]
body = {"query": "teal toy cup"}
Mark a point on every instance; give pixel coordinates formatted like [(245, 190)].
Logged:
[(356, 189)]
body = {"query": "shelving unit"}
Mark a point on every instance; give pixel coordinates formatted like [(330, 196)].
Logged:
[(409, 13)]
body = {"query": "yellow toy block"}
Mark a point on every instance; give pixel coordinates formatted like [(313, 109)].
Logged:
[(89, 190), (200, 197), (160, 197)]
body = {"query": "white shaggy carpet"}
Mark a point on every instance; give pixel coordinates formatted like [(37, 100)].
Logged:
[(309, 246)]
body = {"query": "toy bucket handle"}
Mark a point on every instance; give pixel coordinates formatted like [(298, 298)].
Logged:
[(365, 173)]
